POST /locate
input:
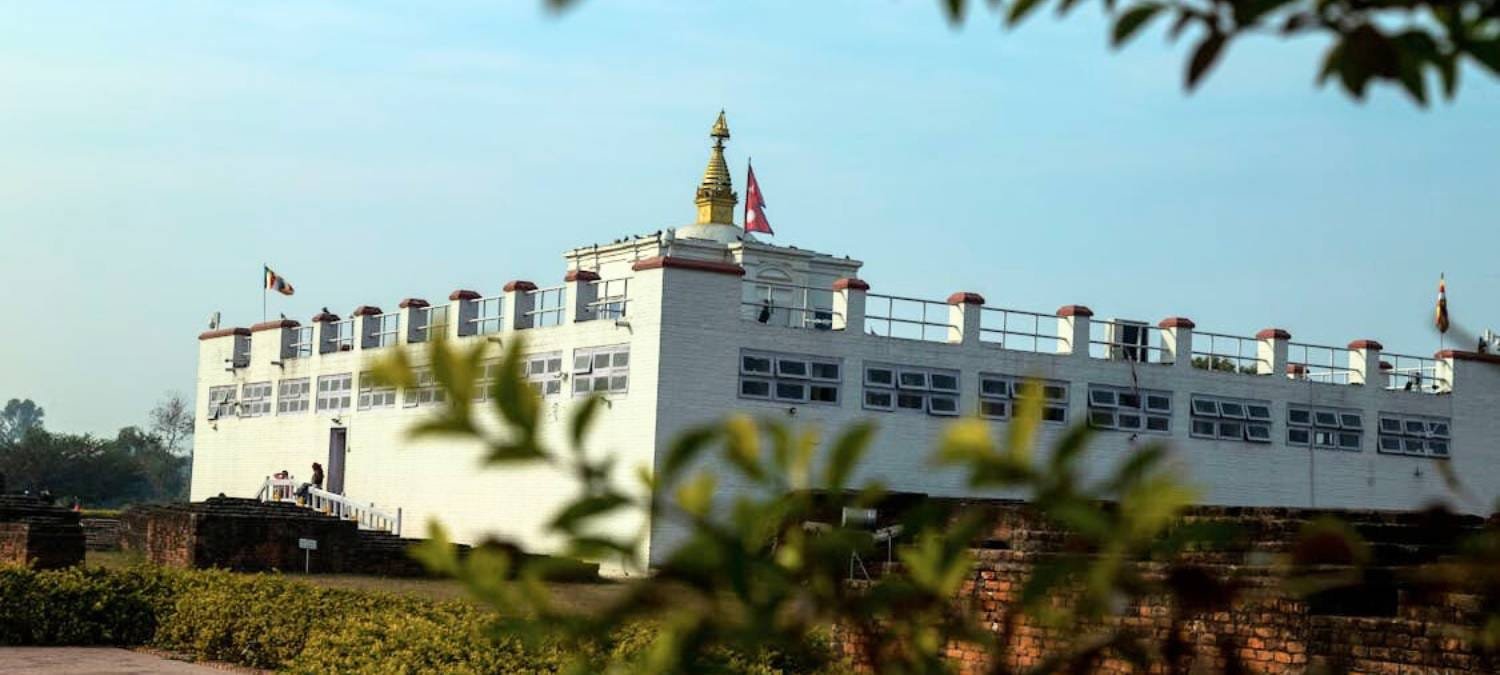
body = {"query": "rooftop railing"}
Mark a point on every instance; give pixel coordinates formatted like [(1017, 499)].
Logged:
[(1318, 363), (1127, 341), (301, 346), (489, 316), (429, 322), (341, 335), (546, 306), (611, 299), (1413, 373), (1224, 353), (894, 316), (386, 328), (1022, 331), (788, 305)]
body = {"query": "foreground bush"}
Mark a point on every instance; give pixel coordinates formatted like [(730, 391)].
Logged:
[(270, 621)]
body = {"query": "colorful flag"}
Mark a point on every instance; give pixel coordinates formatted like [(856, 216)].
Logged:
[(755, 207), (1442, 305), (278, 283)]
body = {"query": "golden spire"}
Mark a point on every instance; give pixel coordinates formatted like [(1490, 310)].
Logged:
[(716, 197)]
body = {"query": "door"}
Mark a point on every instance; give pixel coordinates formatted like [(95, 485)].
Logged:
[(338, 439)]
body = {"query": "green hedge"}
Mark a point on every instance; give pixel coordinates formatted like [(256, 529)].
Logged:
[(269, 621)]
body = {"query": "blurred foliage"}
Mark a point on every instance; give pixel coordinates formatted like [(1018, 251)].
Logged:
[(1408, 43), (753, 573)]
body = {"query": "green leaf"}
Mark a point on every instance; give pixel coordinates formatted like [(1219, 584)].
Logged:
[(1020, 9), (583, 509), (1487, 53), (583, 420), (1133, 20), (1204, 57), (743, 445), (848, 450), (697, 495)]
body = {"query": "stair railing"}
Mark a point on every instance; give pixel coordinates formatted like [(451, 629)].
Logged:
[(367, 515)]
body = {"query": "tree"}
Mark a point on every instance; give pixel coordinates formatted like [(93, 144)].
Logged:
[(172, 421), (1401, 42), (18, 417)]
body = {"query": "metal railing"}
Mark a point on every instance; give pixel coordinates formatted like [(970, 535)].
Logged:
[(386, 328), (546, 306), (788, 305), (611, 299), (489, 316), (342, 339), (1412, 373), (1226, 353), (1127, 341), (302, 343), (429, 321), (1318, 363), (894, 316), (365, 514), (1021, 331)]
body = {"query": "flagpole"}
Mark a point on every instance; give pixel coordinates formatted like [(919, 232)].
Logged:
[(263, 267)]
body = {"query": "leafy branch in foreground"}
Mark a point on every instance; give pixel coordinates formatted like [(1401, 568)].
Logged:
[(761, 569), (1401, 42)]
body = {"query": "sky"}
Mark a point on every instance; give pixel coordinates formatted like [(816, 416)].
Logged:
[(153, 155)]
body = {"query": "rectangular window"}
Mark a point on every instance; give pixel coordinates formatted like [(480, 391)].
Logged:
[(998, 393), (334, 392), (930, 390), (302, 343), (292, 396), (425, 390), (372, 396), (1414, 435), (221, 401), (1326, 428), (1231, 419), (386, 328), (544, 373), (789, 378), (1130, 409), (255, 399), (601, 370)]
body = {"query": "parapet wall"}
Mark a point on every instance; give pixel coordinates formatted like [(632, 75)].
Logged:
[(37, 533)]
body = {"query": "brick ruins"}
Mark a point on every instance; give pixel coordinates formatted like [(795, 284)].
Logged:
[(1386, 625), (253, 536), (35, 532)]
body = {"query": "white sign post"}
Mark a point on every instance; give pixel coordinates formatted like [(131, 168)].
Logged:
[(307, 546)]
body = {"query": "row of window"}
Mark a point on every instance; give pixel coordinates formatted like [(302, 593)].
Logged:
[(604, 370), (808, 379)]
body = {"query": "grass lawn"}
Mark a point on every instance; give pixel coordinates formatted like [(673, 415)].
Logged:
[(579, 597)]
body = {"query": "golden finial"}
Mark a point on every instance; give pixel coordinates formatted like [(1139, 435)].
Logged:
[(716, 198)]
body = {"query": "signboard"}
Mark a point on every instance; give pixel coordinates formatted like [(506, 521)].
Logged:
[(307, 544)]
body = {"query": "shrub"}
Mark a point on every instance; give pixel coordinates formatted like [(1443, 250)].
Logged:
[(83, 606)]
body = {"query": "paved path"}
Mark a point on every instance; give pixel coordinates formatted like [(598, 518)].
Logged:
[(92, 660)]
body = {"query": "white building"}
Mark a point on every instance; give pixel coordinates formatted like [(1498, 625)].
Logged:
[(681, 326)]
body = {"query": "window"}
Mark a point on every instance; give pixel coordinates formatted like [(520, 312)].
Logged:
[(385, 329), (292, 396), (334, 392), (1414, 435), (256, 399), (1326, 428), (1231, 419), (1129, 409), (221, 401), (372, 396), (544, 373), (930, 390), (602, 370), (790, 378), (998, 394), (426, 390)]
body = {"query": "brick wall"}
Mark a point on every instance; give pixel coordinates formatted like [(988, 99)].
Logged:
[(37, 533), (1260, 626), (101, 534)]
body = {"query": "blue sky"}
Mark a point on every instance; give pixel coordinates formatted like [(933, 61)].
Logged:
[(153, 154)]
